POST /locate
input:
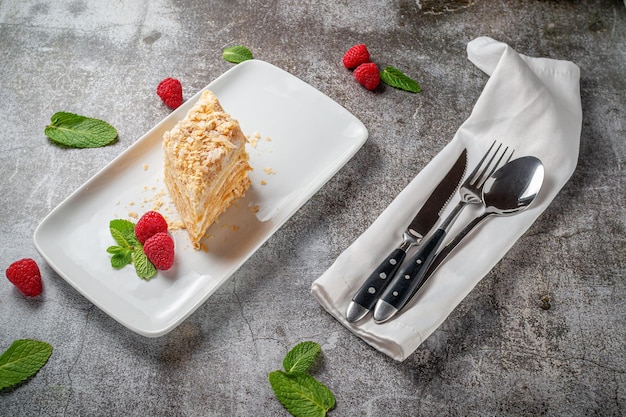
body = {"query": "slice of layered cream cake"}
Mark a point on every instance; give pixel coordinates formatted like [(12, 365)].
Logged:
[(206, 165)]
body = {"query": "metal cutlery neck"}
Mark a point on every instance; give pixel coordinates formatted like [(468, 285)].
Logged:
[(409, 240), (454, 214)]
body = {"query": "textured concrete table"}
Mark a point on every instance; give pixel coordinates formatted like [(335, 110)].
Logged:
[(543, 333)]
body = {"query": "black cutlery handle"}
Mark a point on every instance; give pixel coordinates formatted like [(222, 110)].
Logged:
[(373, 286), (410, 278)]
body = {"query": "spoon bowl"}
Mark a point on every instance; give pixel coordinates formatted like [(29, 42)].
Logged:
[(513, 187)]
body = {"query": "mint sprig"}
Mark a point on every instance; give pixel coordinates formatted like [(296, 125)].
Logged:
[(76, 131), (397, 79), (237, 54), (129, 249), (300, 393), (23, 359), (123, 231)]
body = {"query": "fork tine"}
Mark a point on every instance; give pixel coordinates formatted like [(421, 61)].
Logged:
[(473, 176), (478, 175), (510, 156)]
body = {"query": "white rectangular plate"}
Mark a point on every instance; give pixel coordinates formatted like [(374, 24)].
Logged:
[(304, 138)]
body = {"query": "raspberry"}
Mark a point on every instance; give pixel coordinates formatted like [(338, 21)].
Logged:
[(367, 75), (356, 56), (171, 92), (25, 275), (160, 250), (149, 225)]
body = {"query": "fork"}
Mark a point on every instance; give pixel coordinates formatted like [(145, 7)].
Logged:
[(412, 275)]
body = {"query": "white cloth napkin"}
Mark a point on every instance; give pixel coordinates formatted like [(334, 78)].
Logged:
[(531, 104)]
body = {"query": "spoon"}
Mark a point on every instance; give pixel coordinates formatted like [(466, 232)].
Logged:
[(509, 190)]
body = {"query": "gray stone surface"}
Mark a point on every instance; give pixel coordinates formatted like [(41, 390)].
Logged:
[(543, 333)]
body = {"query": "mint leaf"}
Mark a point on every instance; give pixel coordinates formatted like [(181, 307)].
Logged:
[(77, 131), (301, 394), (144, 268), (396, 78), (120, 238), (121, 256), (123, 231), (122, 225), (114, 250), (237, 54), (301, 357), (23, 359)]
